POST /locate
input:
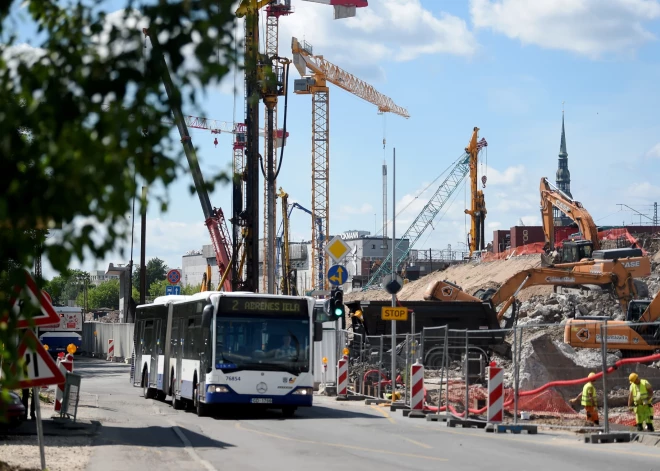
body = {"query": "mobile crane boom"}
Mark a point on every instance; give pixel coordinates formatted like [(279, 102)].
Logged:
[(214, 217)]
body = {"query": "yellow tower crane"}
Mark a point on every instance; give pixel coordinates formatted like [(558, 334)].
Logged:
[(315, 84)]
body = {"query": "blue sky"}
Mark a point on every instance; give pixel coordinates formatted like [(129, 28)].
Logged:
[(505, 66)]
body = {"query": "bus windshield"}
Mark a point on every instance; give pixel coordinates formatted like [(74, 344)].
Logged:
[(262, 343)]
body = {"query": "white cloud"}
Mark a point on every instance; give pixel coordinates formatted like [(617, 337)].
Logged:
[(494, 225), (366, 208), (588, 27), (644, 191), (510, 175), (530, 220), (654, 152), (399, 30), (167, 240)]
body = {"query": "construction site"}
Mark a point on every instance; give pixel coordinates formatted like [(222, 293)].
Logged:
[(558, 285)]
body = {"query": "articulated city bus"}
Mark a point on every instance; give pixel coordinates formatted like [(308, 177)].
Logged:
[(217, 348)]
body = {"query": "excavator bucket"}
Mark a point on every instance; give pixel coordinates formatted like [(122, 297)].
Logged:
[(548, 260)]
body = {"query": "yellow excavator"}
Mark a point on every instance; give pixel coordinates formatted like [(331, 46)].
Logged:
[(618, 280), (629, 336), (589, 249)]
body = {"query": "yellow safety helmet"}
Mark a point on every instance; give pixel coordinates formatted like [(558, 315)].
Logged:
[(633, 377), (591, 375), (358, 314)]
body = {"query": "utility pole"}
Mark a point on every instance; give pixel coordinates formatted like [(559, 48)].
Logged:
[(143, 249)]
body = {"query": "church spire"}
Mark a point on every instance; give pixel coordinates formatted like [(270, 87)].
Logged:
[(562, 146), (563, 175)]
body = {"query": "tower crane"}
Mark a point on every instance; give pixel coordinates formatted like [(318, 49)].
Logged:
[(424, 219), (322, 72), (274, 10), (263, 81)]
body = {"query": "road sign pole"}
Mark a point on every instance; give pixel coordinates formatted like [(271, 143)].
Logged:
[(40, 429), (393, 262)]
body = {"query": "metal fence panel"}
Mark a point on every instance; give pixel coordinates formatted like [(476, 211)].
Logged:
[(97, 344)]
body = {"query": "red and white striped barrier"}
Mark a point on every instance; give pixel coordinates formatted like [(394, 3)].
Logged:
[(342, 377), (495, 393), (417, 387), (65, 366), (111, 349)]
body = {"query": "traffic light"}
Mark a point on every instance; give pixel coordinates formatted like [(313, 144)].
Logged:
[(337, 302)]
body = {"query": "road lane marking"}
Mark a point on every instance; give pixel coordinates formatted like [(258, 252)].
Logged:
[(414, 442), (550, 443), (340, 445), (384, 413), (187, 446)]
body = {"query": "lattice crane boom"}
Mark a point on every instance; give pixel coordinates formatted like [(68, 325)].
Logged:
[(339, 77), (322, 72), (425, 218)]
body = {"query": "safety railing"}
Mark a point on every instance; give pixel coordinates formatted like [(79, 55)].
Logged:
[(546, 368)]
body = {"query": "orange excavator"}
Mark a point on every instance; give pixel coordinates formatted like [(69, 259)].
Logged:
[(618, 280), (634, 336), (589, 249)]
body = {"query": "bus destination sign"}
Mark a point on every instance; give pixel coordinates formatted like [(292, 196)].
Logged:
[(265, 306)]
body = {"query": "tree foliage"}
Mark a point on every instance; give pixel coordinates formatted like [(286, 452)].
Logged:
[(105, 294), (156, 271), (81, 123)]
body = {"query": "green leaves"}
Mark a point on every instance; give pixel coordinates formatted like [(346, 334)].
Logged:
[(82, 96)]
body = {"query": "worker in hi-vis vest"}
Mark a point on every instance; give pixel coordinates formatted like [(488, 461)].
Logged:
[(641, 395), (589, 400)]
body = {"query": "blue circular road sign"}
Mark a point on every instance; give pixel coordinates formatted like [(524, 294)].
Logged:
[(337, 275), (174, 276)]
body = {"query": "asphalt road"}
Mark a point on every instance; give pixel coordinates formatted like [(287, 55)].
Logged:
[(146, 434)]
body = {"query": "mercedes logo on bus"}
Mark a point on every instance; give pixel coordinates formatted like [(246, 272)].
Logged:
[(262, 388)]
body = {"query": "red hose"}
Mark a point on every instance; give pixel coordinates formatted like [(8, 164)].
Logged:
[(571, 382)]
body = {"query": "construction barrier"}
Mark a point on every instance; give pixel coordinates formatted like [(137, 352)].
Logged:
[(111, 349), (342, 377), (96, 335), (65, 364), (495, 393), (544, 376)]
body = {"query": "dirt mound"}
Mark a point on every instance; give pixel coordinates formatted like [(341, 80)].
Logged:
[(469, 276)]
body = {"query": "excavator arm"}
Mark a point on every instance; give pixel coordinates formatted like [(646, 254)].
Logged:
[(554, 197), (619, 278)]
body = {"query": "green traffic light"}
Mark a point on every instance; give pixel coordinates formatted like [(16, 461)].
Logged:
[(339, 311)]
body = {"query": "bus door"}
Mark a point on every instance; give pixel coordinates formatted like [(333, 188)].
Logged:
[(138, 351), (185, 338), (157, 350), (178, 354)]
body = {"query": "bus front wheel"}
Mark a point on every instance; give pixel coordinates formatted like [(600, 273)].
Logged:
[(200, 407), (288, 411)]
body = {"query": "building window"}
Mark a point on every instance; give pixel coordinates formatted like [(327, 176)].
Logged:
[(373, 246)]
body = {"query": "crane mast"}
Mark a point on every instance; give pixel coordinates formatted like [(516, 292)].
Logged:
[(214, 218), (477, 209), (316, 84)]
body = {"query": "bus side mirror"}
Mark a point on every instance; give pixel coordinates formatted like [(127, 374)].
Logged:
[(207, 315), (318, 331)]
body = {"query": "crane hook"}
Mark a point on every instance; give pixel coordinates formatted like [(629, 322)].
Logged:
[(215, 141), (483, 181)]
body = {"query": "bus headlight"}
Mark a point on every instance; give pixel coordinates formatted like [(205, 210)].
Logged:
[(304, 391), (217, 389)]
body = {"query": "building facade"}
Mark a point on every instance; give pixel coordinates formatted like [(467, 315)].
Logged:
[(193, 266), (96, 277)]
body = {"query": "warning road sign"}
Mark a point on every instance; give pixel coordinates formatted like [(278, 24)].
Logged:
[(394, 313), (38, 298), (40, 369)]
